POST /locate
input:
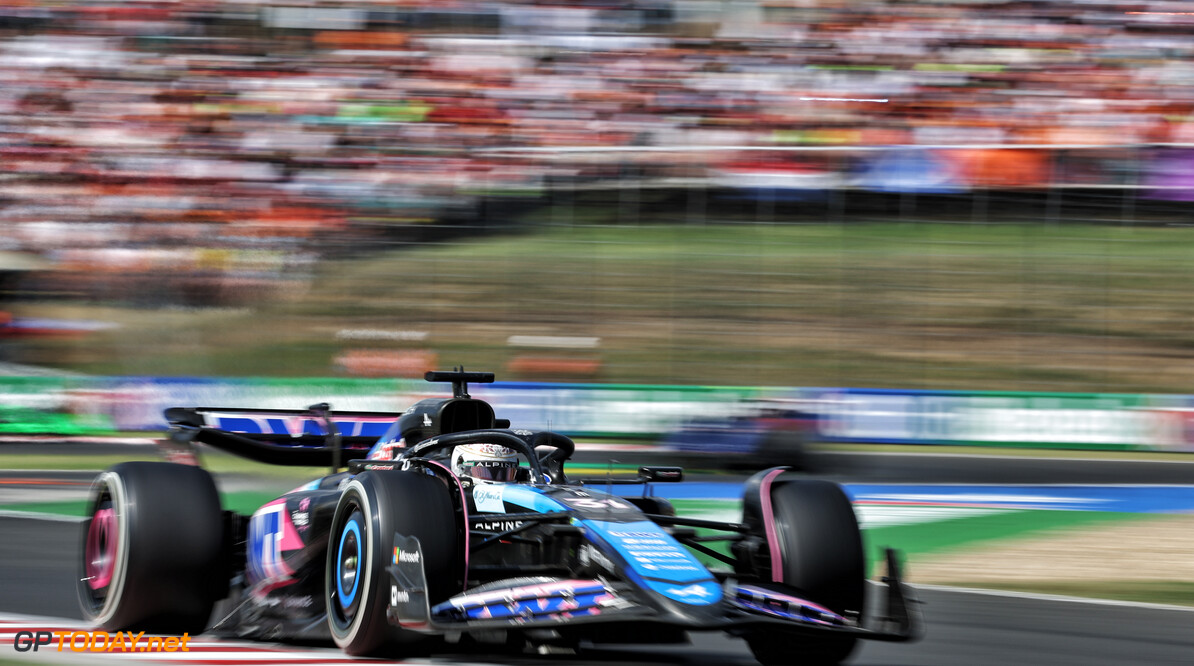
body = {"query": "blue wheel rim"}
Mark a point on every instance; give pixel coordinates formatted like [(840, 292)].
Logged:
[(347, 597)]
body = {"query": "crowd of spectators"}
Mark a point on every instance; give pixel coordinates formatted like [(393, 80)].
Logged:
[(207, 149)]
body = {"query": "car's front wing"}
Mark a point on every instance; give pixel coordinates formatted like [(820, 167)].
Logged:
[(573, 602)]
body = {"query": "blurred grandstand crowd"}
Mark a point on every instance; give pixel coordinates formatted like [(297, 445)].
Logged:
[(212, 150)]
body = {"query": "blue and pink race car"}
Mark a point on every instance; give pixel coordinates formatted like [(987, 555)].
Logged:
[(398, 550)]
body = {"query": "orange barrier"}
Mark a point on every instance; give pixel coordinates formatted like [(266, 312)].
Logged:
[(387, 363), (553, 366), (1003, 167)]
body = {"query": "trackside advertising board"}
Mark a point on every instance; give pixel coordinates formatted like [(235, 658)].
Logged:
[(94, 405), (1054, 420)]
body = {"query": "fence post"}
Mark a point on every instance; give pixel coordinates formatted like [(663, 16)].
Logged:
[(697, 200), (1127, 208), (1053, 195), (978, 203)]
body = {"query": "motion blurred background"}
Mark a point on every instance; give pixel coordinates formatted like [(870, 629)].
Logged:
[(984, 203), (737, 230)]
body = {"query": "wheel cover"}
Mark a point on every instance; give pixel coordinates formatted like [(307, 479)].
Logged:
[(349, 558), (105, 551), (99, 553)]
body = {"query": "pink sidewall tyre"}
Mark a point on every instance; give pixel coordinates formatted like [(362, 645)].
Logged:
[(815, 548), (153, 551)]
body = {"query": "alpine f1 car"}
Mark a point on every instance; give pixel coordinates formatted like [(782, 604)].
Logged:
[(407, 546)]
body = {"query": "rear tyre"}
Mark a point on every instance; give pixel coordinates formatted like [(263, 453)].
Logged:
[(154, 555), (373, 507), (821, 556)]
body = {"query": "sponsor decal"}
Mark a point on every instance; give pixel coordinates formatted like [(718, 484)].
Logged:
[(489, 498), (295, 425), (655, 554), (699, 591), (497, 525), (398, 596), (271, 533), (303, 601), (645, 535), (406, 556), (301, 517), (386, 450), (99, 641), (591, 555), (490, 449)]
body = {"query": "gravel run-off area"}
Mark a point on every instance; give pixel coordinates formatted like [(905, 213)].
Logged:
[(1150, 549)]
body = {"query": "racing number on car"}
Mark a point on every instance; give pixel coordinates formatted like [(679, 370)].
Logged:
[(591, 503)]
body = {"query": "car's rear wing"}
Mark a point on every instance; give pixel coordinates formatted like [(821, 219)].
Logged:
[(312, 438), (294, 437)]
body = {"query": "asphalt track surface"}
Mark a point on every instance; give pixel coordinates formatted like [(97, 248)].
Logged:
[(38, 562), (963, 628)]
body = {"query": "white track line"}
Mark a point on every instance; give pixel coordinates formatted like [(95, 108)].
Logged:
[(1052, 597), (37, 515), (994, 456)]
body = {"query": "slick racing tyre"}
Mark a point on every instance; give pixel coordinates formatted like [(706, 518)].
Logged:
[(154, 555), (821, 556), (372, 508)]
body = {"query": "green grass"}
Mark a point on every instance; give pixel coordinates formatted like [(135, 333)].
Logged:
[(913, 305), (934, 537)]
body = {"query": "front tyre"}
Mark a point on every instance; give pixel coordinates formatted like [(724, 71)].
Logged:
[(819, 544), (154, 553), (372, 508)]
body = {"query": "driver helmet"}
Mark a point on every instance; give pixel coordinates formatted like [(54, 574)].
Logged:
[(485, 462)]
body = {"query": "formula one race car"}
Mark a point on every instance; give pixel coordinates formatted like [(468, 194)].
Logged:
[(757, 433), (419, 542)]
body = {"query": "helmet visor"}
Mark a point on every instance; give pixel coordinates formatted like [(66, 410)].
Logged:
[(490, 470)]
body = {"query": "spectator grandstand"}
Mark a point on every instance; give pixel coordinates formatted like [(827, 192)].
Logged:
[(212, 151)]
